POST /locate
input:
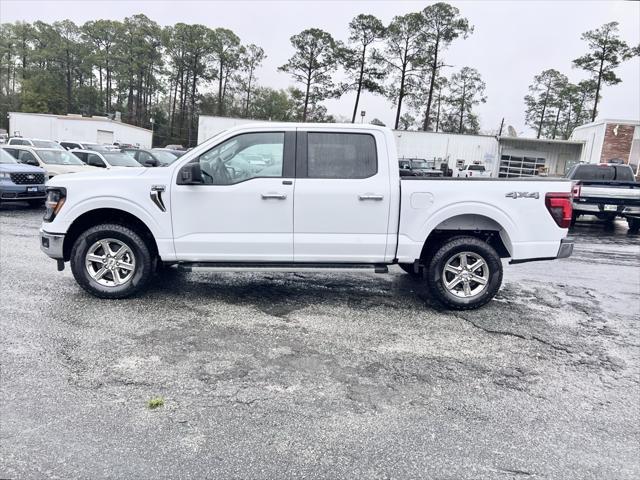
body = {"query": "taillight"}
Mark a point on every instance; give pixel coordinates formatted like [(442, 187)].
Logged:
[(576, 190), (56, 197), (560, 208)]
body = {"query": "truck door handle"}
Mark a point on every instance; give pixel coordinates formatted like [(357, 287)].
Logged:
[(371, 196), (277, 196)]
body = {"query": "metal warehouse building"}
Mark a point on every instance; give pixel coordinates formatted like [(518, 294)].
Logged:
[(607, 140), (76, 127), (503, 156)]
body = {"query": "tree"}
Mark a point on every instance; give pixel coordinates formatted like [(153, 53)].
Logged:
[(466, 90), (403, 57), (543, 93), (362, 72), (407, 121), (312, 64), (442, 24), (226, 51), (251, 59), (607, 52), (271, 104), (103, 35), (377, 121)]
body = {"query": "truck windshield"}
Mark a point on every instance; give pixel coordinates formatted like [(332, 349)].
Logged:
[(58, 157), (46, 144), (476, 168), (118, 159), (6, 158), (622, 173)]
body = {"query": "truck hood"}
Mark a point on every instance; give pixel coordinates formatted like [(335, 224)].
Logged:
[(95, 173), (19, 168), (62, 169)]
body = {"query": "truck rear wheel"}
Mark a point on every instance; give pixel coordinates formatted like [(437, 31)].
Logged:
[(464, 273), (111, 261), (634, 224)]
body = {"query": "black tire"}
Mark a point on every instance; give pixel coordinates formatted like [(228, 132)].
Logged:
[(634, 224), (408, 268), (574, 218), (143, 261), (449, 249), (36, 203)]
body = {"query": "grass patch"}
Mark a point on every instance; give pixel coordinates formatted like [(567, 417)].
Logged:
[(155, 402)]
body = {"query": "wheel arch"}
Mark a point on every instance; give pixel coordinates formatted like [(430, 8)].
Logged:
[(99, 216), (477, 225)]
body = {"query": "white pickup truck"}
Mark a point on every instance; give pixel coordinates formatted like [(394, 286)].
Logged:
[(283, 196)]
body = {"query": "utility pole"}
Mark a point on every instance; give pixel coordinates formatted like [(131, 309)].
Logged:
[(501, 125)]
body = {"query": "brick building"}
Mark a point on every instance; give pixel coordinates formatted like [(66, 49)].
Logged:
[(607, 140)]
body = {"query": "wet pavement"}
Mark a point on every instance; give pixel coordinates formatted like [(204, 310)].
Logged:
[(321, 375)]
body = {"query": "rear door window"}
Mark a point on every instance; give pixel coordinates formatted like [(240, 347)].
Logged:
[(341, 155)]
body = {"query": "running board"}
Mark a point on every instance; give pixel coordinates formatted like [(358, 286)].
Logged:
[(281, 267)]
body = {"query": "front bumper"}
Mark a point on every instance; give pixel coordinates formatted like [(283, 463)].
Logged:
[(52, 244), (10, 192)]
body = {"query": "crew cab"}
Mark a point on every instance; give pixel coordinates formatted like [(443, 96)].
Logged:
[(323, 196), (76, 145), (105, 159), (607, 191), (20, 182), (54, 161)]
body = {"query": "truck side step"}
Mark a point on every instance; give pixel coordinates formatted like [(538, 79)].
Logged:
[(280, 267)]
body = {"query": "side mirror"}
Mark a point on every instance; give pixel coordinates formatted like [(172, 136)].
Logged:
[(32, 162), (151, 163), (190, 174)]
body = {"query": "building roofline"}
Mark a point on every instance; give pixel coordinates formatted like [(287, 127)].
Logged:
[(541, 140), (607, 121), (80, 117)]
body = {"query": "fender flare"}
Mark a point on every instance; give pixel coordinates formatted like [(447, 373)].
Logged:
[(509, 227)]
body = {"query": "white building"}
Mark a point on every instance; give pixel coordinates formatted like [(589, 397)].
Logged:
[(208, 126), (76, 127), (609, 139)]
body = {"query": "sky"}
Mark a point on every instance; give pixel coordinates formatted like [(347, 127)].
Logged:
[(512, 41)]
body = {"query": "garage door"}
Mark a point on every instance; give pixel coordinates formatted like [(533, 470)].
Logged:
[(105, 137)]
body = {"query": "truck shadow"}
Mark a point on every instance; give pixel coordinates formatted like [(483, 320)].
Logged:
[(279, 294)]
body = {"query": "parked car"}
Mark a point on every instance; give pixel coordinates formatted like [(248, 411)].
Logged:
[(177, 153), (351, 212), (34, 142), (607, 191), (417, 167), (106, 159), (175, 147), (53, 161), (19, 182), (71, 145), (473, 171), (151, 158)]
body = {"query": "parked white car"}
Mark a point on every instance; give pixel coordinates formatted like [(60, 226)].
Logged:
[(106, 159), (473, 171), (76, 145), (54, 161), (34, 142), (326, 196)]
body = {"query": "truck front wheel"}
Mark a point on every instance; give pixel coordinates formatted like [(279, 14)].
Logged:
[(111, 261), (464, 273)]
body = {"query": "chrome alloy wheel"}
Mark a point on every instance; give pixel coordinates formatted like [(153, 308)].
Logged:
[(465, 274), (110, 262)]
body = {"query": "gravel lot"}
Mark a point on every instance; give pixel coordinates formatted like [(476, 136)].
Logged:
[(321, 375)]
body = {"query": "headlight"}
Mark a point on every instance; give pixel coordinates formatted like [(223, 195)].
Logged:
[(5, 175), (56, 197)]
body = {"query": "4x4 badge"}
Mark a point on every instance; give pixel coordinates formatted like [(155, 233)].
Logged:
[(522, 195)]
